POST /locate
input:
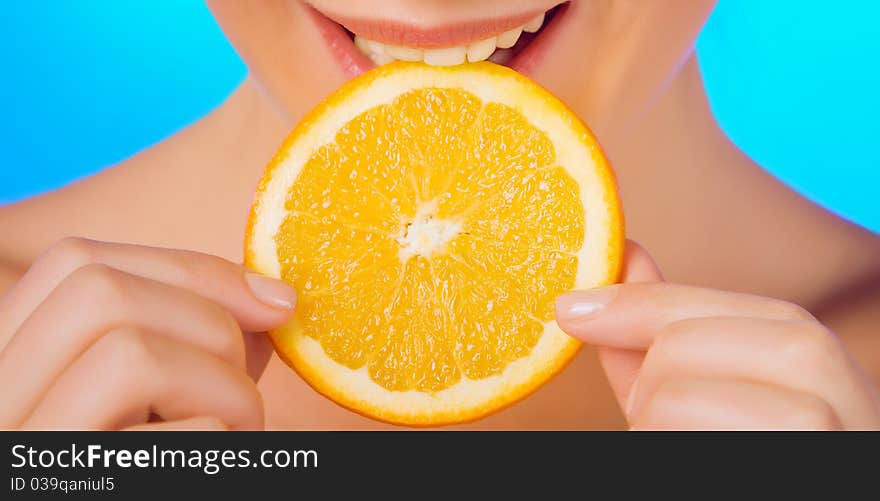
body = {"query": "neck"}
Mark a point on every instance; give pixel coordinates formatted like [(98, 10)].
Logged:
[(678, 132), (676, 151)]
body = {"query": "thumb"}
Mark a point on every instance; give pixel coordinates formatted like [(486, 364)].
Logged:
[(258, 350), (622, 366), (638, 265)]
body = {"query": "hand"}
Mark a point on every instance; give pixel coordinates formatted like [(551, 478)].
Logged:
[(680, 357), (111, 336)]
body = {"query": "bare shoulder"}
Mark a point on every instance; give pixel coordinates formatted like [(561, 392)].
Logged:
[(9, 274), (850, 302), (190, 191), (843, 256), (808, 254), (832, 267), (743, 230), (104, 206)]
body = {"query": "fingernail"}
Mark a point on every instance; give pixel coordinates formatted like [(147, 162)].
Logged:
[(631, 399), (273, 292), (582, 305)]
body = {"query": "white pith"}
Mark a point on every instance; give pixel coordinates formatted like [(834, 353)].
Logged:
[(426, 235)]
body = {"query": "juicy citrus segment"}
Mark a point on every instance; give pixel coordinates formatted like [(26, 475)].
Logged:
[(418, 353), (433, 122), (502, 147), (428, 218), (510, 216)]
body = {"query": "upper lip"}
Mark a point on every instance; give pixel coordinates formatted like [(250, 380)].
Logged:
[(406, 34)]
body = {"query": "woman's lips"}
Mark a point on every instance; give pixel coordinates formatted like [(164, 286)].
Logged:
[(408, 35), (511, 40), (350, 58)]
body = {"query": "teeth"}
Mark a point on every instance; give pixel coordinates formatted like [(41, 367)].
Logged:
[(480, 51), (368, 46), (381, 59), (535, 24), (449, 56), (508, 39), (404, 53), (374, 50), (494, 49)]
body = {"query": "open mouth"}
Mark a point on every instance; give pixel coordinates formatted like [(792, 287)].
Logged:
[(516, 41)]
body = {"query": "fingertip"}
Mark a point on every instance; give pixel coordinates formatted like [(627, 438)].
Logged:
[(271, 292), (271, 303), (638, 265), (584, 305)]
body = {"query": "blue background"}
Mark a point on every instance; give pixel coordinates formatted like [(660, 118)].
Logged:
[(87, 83)]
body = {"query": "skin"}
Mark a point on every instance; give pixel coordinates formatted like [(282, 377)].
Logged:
[(767, 316)]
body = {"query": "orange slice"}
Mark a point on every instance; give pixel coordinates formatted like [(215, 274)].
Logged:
[(428, 218)]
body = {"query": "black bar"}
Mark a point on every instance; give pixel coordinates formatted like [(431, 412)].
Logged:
[(422, 465)]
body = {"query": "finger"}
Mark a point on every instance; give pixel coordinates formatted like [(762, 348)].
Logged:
[(623, 320), (706, 404), (201, 423), (630, 316), (258, 303), (129, 375), (92, 301), (622, 366), (801, 356), (258, 350), (638, 265)]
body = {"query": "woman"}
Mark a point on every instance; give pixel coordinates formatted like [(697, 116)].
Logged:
[(776, 327)]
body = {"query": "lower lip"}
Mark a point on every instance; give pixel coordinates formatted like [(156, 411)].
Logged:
[(353, 62)]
